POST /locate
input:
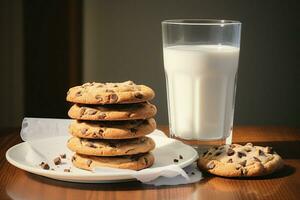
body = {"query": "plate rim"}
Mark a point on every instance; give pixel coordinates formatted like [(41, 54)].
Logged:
[(82, 177)]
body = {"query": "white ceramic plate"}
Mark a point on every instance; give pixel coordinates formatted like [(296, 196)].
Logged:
[(165, 152)]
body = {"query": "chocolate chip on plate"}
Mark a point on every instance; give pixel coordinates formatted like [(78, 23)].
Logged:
[(63, 156), (67, 170), (44, 166), (180, 157), (176, 160), (57, 160)]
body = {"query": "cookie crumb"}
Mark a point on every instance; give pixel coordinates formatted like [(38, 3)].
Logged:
[(57, 161), (176, 160), (44, 166), (193, 173), (63, 156), (67, 170), (180, 157)]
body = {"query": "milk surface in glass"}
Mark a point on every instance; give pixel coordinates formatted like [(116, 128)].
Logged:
[(201, 90)]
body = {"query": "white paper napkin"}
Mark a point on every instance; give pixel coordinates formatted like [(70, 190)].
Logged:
[(36, 130)]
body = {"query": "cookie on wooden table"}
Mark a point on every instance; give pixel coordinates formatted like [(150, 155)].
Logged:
[(102, 147), (134, 162), (240, 160), (110, 93), (111, 112), (112, 129)]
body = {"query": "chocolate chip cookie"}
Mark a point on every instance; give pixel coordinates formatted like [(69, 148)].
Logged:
[(112, 129), (240, 160), (102, 147), (112, 112), (134, 162), (109, 93)]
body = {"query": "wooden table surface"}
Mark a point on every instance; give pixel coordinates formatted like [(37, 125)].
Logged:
[(285, 184)]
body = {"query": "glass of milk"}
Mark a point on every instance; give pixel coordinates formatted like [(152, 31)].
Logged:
[(201, 63)]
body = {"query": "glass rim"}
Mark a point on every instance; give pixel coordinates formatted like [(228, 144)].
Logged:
[(218, 22)]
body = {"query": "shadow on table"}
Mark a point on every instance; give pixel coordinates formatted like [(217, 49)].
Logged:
[(128, 185), (287, 170)]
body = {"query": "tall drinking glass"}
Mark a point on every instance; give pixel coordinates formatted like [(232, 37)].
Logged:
[(201, 63)]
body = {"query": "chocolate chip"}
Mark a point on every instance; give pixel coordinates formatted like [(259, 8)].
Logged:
[(211, 165), (98, 97), (261, 153), (63, 156), (78, 94), (229, 161), (133, 130), (218, 153), (100, 132), (221, 148), (230, 152), (209, 153), (91, 112), (57, 160), (256, 159), (82, 111), (101, 115), (115, 85), (176, 160), (193, 173), (113, 98), (180, 157), (244, 171), (243, 163), (138, 95), (89, 144), (269, 150), (44, 166), (112, 145), (67, 170), (89, 162), (241, 154), (73, 158), (95, 135), (83, 131)]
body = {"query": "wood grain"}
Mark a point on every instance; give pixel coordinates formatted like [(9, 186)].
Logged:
[(285, 184)]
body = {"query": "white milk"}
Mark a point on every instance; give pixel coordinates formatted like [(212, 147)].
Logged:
[(201, 90)]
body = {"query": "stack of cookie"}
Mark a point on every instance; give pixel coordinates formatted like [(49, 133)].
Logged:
[(112, 121)]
